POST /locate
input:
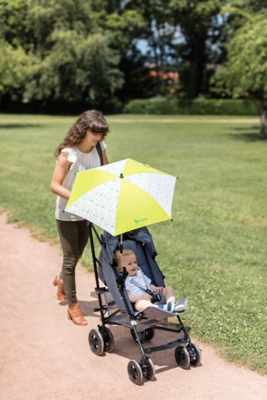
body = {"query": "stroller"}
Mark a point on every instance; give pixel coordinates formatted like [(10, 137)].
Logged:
[(116, 309)]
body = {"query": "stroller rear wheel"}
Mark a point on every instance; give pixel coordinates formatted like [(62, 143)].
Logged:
[(149, 334), (182, 357), (135, 372), (148, 369), (96, 342), (141, 336), (194, 353)]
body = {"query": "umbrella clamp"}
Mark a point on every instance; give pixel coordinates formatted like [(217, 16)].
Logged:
[(100, 290)]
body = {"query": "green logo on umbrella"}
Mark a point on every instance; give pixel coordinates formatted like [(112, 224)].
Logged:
[(139, 220)]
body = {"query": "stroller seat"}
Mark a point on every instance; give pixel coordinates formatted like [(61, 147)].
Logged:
[(141, 243)]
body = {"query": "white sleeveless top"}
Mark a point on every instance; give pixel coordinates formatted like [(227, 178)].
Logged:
[(80, 162)]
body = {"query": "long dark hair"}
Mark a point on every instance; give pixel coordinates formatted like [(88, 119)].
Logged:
[(91, 120)]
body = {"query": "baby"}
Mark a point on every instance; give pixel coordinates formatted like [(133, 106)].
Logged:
[(137, 283)]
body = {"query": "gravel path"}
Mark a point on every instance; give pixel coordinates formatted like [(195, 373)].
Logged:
[(45, 356)]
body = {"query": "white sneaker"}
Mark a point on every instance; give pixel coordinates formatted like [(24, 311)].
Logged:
[(180, 305), (167, 307)]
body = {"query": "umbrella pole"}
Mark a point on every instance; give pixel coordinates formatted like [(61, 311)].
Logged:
[(125, 273)]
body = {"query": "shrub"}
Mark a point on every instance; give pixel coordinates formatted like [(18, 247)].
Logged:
[(200, 106), (136, 107), (161, 105), (204, 106)]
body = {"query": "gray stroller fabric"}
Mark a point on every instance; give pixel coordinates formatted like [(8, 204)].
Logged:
[(141, 243)]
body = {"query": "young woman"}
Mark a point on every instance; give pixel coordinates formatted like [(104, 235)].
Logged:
[(80, 150)]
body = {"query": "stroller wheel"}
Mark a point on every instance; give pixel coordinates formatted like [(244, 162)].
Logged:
[(182, 357), (96, 342), (141, 336), (108, 340), (194, 353), (149, 333), (135, 372), (148, 368)]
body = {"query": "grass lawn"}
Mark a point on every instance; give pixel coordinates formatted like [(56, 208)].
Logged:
[(214, 252)]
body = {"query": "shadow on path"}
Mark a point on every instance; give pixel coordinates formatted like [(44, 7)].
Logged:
[(19, 126)]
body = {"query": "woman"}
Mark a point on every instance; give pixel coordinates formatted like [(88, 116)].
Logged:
[(82, 149)]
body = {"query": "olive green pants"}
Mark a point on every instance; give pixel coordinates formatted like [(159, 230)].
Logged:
[(73, 237)]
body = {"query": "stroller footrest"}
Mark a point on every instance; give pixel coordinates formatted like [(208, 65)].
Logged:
[(166, 346)]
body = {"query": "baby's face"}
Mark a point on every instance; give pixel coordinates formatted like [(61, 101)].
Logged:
[(130, 265)]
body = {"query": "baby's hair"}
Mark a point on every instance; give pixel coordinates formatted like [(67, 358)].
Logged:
[(91, 120), (126, 253)]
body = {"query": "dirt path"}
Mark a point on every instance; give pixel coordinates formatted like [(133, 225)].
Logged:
[(45, 356)]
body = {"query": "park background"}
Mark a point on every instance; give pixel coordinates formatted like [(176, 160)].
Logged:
[(188, 60)]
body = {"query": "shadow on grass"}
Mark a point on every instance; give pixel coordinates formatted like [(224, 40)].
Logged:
[(18, 126), (247, 134)]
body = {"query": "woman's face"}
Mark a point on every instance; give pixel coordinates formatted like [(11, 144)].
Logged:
[(93, 138)]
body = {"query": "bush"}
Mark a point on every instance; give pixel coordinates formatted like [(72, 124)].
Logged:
[(136, 107), (161, 105), (200, 106)]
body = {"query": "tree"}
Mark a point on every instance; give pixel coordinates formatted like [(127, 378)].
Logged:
[(73, 56), (201, 32), (245, 72), (14, 67), (14, 62)]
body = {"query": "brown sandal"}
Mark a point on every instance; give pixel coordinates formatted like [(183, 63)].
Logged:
[(75, 314), (60, 289)]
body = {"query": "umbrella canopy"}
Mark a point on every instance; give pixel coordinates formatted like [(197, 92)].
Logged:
[(122, 196)]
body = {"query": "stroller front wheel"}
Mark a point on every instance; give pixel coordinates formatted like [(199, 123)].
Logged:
[(135, 372), (182, 357), (96, 342), (195, 354), (148, 368)]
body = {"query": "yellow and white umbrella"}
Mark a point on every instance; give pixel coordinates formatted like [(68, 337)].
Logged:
[(122, 196)]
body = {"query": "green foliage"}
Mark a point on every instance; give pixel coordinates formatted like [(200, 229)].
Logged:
[(73, 57), (14, 67), (136, 106), (214, 251), (245, 72), (199, 106), (161, 105), (76, 68)]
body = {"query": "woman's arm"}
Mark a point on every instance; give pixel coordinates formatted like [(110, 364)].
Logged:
[(60, 172), (105, 159)]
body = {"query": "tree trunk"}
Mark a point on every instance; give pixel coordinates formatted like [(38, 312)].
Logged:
[(262, 132)]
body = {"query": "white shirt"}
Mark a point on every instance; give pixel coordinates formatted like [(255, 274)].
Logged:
[(80, 162), (141, 279)]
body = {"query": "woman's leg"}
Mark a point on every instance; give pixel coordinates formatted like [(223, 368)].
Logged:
[(73, 237)]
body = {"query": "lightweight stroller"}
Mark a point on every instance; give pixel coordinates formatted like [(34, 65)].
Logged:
[(116, 309)]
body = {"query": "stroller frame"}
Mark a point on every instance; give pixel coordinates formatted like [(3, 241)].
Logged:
[(101, 340)]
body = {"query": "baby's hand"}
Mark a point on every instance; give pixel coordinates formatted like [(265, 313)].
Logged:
[(158, 289), (146, 296)]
